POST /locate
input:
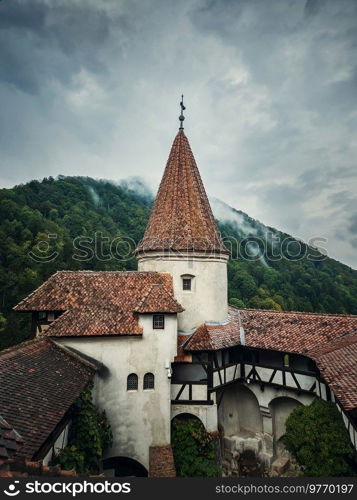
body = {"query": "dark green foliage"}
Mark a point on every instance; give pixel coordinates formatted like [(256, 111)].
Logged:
[(193, 448), (70, 458), (89, 436), (317, 437), (69, 207)]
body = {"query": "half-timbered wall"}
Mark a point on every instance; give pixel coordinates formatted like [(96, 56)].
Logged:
[(279, 384)]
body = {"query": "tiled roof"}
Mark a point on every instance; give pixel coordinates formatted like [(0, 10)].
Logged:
[(161, 462), (10, 441), (39, 381), (158, 294), (295, 332), (25, 468), (181, 218), (337, 362), (329, 339), (101, 303), (92, 321), (215, 337), (181, 354)]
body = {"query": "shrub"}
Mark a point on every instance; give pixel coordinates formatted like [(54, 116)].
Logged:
[(318, 438), (89, 436), (194, 449)]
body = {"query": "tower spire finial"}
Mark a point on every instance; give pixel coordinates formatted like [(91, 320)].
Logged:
[(181, 117)]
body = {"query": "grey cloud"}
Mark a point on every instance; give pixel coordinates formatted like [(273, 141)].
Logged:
[(353, 224), (40, 41), (91, 87)]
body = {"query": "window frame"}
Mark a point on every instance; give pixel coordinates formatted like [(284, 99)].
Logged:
[(187, 281), (149, 379), (135, 378), (155, 323)]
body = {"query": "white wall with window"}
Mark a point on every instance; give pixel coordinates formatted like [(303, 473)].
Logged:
[(139, 417)]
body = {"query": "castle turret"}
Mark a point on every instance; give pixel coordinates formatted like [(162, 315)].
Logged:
[(182, 238)]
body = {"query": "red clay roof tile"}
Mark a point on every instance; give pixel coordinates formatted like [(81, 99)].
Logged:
[(329, 339), (158, 295), (101, 303), (39, 381), (181, 218)]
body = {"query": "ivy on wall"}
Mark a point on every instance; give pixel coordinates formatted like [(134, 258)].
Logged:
[(89, 436), (193, 448)]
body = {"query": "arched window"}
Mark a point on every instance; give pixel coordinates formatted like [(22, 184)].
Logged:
[(149, 381), (132, 382)]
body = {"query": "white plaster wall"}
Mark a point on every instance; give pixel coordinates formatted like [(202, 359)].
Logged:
[(207, 301), (280, 410), (266, 397), (138, 419), (58, 445), (206, 413), (239, 411)]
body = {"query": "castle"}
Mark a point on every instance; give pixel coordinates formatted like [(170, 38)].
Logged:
[(162, 341)]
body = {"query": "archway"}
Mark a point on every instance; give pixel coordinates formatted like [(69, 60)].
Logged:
[(123, 467), (195, 453), (185, 416), (239, 412), (280, 409)]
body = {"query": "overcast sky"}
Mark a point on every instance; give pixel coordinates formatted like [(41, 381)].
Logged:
[(92, 87)]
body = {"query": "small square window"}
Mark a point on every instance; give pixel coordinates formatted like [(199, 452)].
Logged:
[(158, 321), (186, 283)]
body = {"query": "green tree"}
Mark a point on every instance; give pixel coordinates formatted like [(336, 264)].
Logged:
[(317, 437), (193, 448)]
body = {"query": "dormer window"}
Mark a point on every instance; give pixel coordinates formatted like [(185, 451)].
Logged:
[(158, 321)]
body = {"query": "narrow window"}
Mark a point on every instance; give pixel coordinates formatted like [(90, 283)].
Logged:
[(149, 381), (186, 283), (286, 360), (158, 321), (132, 382), (42, 315)]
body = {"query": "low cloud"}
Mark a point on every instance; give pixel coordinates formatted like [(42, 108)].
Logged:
[(92, 88)]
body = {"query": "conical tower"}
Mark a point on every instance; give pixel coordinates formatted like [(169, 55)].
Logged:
[(182, 238)]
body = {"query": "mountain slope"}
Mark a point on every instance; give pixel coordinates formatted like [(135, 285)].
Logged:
[(81, 223)]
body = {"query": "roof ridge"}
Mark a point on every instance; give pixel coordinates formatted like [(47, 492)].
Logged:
[(73, 354), (36, 290), (15, 347), (293, 312), (334, 344), (90, 271)]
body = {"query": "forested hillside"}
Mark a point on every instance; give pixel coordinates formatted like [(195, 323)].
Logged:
[(80, 223)]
